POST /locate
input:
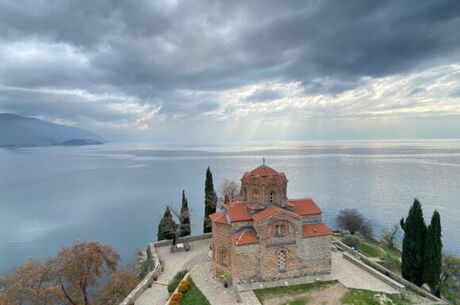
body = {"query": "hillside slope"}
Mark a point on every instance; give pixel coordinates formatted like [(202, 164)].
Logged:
[(19, 131)]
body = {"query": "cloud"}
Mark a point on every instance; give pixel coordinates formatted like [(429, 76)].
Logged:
[(114, 65)]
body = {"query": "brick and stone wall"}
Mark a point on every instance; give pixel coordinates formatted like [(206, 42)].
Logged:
[(221, 242), (317, 254)]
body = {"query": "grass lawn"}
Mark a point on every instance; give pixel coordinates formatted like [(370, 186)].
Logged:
[(266, 293), (371, 250), (194, 296), (365, 297)]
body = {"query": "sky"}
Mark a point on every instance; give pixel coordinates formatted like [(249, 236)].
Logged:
[(221, 71)]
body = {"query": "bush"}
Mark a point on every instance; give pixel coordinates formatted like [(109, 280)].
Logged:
[(176, 280), (351, 241), (184, 286), (143, 269)]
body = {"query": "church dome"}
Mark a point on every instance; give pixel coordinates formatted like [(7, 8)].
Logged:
[(264, 186), (264, 172)]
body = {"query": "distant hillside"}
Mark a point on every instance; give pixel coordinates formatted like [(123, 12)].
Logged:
[(19, 131)]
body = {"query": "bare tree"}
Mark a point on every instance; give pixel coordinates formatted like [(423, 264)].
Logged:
[(389, 236), (118, 286), (450, 278), (30, 283), (352, 221), (229, 191), (80, 267)]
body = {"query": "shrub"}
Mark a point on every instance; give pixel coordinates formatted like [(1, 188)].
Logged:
[(176, 280), (184, 286), (143, 269), (176, 297), (351, 241)]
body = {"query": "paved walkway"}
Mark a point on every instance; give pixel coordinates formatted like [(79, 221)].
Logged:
[(347, 273), (352, 276), (173, 262), (215, 291)]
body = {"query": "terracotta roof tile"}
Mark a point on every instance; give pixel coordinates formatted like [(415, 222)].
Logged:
[(269, 212), (304, 206), (244, 237), (315, 230), (218, 217), (237, 211), (264, 172)]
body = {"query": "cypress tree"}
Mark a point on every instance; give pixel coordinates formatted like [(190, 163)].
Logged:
[(185, 228), (210, 201), (413, 244), (167, 226), (433, 254)]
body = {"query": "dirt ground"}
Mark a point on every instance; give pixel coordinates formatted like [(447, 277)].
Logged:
[(327, 296)]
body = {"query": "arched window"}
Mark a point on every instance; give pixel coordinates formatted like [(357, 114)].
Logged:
[(245, 194), (271, 197), (282, 261), (255, 194), (280, 229)]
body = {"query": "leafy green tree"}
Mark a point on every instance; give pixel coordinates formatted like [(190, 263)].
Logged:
[(167, 226), (432, 259), (210, 201), (184, 217), (413, 244)]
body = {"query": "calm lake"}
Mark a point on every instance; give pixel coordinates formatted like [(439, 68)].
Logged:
[(116, 193)]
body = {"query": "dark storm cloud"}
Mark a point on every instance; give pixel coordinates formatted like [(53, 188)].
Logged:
[(152, 51)]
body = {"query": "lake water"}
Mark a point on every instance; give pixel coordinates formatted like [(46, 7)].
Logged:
[(116, 193)]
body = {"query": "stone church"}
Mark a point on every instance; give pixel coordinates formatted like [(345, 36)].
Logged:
[(266, 236)]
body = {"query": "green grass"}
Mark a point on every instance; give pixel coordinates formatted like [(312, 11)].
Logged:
[(194, 296), (263, 294), (300, 301), (365, 297), (176, 280), (371, 250)]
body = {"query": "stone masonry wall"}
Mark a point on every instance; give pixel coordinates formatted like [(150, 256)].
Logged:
[(316, 252), (221, 239)]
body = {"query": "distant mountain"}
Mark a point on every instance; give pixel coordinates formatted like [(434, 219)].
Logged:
[(19, 131)]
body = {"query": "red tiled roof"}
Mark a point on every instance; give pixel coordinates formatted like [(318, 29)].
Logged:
[(237, 212), (315, 230), (304, 206), (255, 206), (218, 217), (244, 237), (264, 172), (269, 212)]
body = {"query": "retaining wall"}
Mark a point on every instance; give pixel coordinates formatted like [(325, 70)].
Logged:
[(390, 273), (154, 266)]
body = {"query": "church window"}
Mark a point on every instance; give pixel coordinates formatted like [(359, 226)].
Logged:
[(255, 194), (282, 261), (223, 257), (271, 197), (280, 229), (245, 194)]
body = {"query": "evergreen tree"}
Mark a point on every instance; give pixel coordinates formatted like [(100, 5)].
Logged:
[(167, 226), (185, 228), (433, 254), (413, 244), (210, 201)]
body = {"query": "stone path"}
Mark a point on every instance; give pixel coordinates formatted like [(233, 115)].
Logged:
[(352, 276), (198, 261), (215, 291), (173, 262)]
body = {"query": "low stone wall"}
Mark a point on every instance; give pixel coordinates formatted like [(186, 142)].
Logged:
[(390, 274), (394, 284), (154, 266), (189, 238)]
